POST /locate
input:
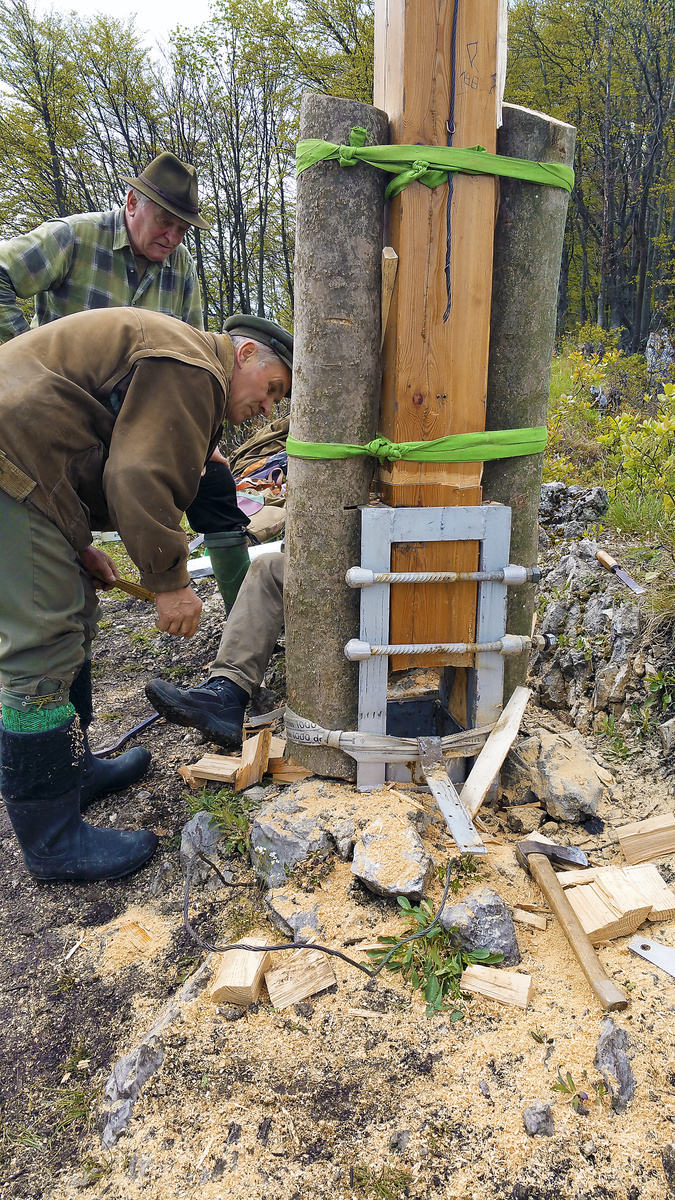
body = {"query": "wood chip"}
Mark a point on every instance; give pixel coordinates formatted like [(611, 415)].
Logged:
[(303, 974), (536, 920), (508, 987), (642, 840), (240, 974), (254, 758)]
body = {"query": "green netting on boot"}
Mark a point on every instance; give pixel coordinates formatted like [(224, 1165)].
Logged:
[(35, 720)]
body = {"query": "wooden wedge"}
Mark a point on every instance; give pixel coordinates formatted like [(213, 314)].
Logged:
[(508, 987)]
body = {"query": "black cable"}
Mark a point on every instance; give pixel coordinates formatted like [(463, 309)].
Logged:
[(297, 945)]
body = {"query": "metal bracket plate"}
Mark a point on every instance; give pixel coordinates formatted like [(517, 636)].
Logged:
[(655, 952), (462, 828)]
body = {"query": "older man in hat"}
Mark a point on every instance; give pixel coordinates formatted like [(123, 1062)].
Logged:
[(129, 256), (106, 418)]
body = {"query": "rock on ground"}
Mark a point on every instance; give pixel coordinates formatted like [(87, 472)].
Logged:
[(613, 1063), (538, 1119), (200, 833), (483, 921), (559, 771), (294, 918), (390, 859)]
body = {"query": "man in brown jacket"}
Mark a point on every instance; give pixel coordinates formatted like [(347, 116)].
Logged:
[(107, 419)]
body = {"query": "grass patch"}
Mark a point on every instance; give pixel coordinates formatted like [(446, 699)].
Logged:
[(391, 1183), (231, 811)]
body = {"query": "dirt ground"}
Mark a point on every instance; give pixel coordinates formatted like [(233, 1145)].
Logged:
[(355, 1093)]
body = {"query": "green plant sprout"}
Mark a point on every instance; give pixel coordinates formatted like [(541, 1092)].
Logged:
[(431, 964)]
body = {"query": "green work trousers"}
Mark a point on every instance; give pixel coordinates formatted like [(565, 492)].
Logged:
[(48, 607), (254, 624)]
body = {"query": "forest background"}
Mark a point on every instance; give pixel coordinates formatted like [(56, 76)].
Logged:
[(84, 102)]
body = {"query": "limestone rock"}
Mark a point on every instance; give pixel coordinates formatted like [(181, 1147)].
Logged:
[(524, 819), (613, 1062), (554, 618), (611, 681), (561, 505), (125, 1083), (597, 615), (201, 833), (553, 688), (282, 837), (483, 921), (390, 859), (564, 777), (294, 916), (660, 357), (538, 1119)]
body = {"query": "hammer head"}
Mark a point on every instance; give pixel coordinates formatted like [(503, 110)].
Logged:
[(561, 856)]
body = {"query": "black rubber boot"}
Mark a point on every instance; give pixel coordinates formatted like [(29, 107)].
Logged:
[(40, 783), (102, 775), (216, 709)]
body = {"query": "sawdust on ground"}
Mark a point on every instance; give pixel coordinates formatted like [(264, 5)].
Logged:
[(304, 1103)]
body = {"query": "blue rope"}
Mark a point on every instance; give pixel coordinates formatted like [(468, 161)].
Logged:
[(451, 130)]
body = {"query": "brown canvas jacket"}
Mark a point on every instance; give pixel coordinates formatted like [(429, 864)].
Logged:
[(107, 418)]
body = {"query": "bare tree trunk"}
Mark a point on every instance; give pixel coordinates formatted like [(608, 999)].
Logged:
[(336, 396), (528, 245)]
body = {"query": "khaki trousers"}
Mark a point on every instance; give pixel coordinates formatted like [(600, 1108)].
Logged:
[(254, 624), (48, 607)]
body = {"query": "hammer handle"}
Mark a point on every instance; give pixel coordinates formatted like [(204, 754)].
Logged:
[(607, 991), (134, 589)]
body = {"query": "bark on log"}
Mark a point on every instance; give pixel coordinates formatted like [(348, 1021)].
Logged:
[(528, 249), (336, 396)]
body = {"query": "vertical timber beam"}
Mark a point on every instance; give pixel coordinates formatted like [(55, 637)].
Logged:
[(336, 395), (435, 371), (528, 249)]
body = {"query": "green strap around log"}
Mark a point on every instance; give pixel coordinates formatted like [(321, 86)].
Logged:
[(456, 448), (429, 164)]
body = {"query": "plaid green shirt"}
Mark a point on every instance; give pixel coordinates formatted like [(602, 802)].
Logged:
[(85, 261)]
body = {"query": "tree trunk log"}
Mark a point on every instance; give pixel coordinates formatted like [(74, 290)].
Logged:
[(528, 248), (336, 397)]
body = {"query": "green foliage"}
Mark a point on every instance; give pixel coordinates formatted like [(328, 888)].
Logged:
[(391, 1183), (579, 1099), (231, 811), (430, 963), (618, 747)]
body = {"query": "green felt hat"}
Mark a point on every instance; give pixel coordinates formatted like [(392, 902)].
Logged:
[(269, 333), (173, 185)]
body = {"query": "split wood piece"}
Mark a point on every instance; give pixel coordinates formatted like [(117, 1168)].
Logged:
[(648, 880), (221, 768), (435, 370), (603, 920), (642, 840), (508, 987), (389, 269), (489, 761), (536, 920), (255, 755), (239, 977), (291, 772), (645, 879), (276, 761), (303, 974)]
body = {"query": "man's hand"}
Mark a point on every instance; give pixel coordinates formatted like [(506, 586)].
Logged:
[(178, 612), (218, 457), (101, 568)]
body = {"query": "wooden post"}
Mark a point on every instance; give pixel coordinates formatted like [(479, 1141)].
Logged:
[(528, 248), (435, 370), (336, 393)]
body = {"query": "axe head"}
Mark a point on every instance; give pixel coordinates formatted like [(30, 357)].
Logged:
[(561, 856)]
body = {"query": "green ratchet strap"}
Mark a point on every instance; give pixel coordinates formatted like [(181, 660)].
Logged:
[(429, 164), (457, 448)]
